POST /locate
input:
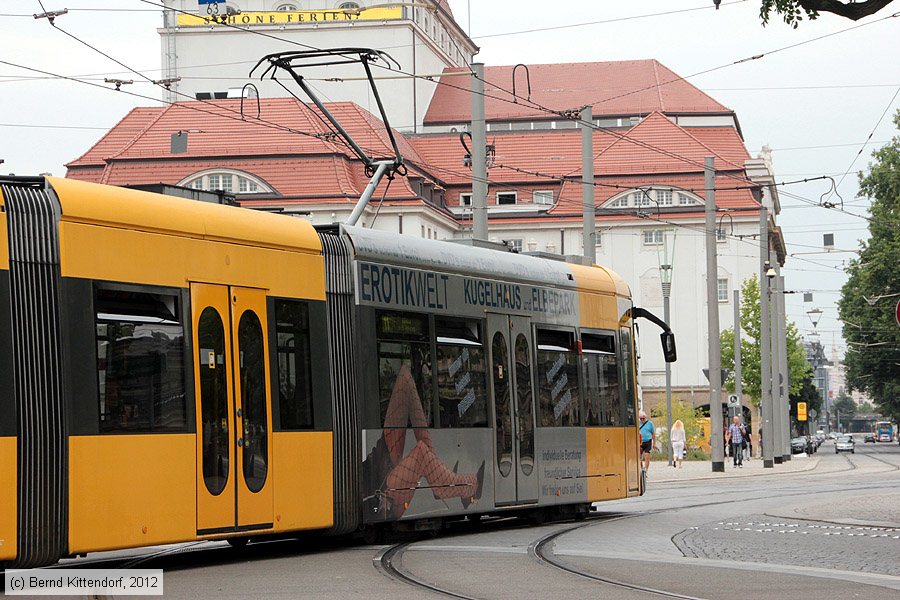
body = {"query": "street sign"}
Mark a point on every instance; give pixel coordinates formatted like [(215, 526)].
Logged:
[(801, 411), (733, 401), (725, 374)]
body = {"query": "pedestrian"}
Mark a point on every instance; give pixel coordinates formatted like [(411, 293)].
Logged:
[(677, 439), (735, 438), (648, 438)]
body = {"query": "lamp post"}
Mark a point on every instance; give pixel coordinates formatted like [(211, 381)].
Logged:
[(665, 277)]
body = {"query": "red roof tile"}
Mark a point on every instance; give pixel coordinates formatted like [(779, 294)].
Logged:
[(656, 145), (119, 136), (636, 87)]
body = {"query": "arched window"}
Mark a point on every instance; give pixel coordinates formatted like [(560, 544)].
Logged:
[(231, 182), (349, 5), (286, 7), (662, 197)]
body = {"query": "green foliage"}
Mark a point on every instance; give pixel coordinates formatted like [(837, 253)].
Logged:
[(866, 408), (693, 430), (845, 407), (798, 367), (868, 299), (793, 11), (790, 10), (808, 393)]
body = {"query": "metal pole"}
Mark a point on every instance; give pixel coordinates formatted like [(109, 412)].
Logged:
[(479, 161), (783, 368), (667, 287), (765, 366), (587, 185), (738, 384), (712, 306), (367, 193), (777, 412)]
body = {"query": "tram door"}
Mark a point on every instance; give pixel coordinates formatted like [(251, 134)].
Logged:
[(512, 384), (234, 415)]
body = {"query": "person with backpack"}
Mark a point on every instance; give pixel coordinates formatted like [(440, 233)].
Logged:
[(648, 438)]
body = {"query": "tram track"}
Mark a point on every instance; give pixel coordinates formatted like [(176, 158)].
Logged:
[(389, 561)]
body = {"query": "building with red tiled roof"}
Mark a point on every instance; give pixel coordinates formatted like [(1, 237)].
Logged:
[(649, 149)]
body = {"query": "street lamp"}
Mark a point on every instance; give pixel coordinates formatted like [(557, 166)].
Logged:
[(666, 258), (815, 315)]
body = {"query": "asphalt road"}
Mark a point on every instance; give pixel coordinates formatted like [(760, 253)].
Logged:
[(832, 531)]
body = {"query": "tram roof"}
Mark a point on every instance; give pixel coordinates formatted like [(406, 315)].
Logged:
[(146, 211), (448, 257)]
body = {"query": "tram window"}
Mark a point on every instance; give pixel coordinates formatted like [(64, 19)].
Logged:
[(557, 369), (601, 376), (461, 373), (405, 382), (140, 361), (294, 364), (626, 371)]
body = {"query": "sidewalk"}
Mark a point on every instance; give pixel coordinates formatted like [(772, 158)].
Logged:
[(660, 472)]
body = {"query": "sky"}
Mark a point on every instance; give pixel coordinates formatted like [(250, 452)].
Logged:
[(817, 95)]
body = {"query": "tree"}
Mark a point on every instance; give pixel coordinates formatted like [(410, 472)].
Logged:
[(845, 408), (798, 367), (691, 417), (866, 408), (810, 394), (792, 11), (869, 297)]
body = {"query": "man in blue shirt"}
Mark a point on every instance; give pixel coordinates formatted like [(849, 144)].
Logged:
[(648, 438), (735, 436)]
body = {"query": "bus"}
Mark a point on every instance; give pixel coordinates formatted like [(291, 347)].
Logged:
[(884, 431)]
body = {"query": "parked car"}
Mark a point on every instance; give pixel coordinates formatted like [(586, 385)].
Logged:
[(801, 444), (870, 437), (845, 443)]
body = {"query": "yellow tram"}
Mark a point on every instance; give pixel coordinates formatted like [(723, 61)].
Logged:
[(173, 370)]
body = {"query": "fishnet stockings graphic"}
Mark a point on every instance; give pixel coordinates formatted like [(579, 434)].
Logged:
[(405, 409)]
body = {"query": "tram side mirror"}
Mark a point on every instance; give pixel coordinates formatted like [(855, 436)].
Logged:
[(668, 346)]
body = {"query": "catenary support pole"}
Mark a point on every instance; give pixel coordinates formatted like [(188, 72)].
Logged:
[(765, 365), (717, 440), (777, 412), (785, 387), (666, 318), (738, 384), (587, 185), (479, 160)]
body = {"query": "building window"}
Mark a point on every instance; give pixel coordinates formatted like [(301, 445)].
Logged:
[(722, 288), (465, 199), (515, 244), (653, 237), (685, 200), (543, 197), (349, 6), (140, 361), (642, 198), (621, 202), (664, 197), (226, 181), (721, 236), (504, 198), (287, 7)]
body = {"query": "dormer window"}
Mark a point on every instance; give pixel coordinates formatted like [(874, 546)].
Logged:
[(230, 182)]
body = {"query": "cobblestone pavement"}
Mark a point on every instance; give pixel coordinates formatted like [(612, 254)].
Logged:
[(760, 538)]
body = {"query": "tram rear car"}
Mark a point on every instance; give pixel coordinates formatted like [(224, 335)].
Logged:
[(174, 370)]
